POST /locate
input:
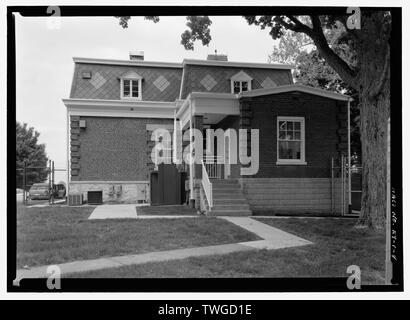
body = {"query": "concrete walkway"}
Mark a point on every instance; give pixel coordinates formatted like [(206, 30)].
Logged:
[(273, 238), (118, 211)]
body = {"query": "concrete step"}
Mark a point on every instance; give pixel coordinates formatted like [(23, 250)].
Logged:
[(228, 193), (228, 200), (233, 213), (224, 181), (231, 206), (235, 197), (226, 186)]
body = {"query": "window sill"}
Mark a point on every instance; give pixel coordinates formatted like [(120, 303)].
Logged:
[(285, 163)]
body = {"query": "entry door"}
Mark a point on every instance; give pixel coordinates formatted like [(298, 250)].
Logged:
[(227, 165)]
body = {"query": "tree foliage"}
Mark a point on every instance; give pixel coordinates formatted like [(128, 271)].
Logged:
[(198, 29), (30, 151)]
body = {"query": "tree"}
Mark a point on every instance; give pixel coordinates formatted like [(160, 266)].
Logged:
[(30, 151), (369, 75)]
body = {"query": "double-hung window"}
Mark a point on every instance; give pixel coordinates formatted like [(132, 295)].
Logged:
[(240, 86), (131, 86), (131, 89), (290, 140)]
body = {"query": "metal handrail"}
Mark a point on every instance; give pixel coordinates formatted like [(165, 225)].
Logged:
[(207, 185)]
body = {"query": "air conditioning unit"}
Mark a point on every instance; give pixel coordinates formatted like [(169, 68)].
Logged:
[(75, 199), (95, 197)]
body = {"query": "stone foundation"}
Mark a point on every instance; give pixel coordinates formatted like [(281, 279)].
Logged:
[(114, 191)]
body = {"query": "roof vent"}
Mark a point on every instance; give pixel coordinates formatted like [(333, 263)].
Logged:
[(217, 57), (137, 55)]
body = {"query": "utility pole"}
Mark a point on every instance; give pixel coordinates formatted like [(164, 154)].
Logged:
[(24, 183), (52, 182), (49, 181)]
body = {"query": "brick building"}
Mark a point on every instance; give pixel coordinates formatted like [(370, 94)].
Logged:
[(115, 106)]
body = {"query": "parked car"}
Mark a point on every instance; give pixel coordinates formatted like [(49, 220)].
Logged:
[(59, 191), (39, 191)]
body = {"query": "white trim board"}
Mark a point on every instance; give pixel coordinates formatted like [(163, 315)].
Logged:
[(236, 64), (134, 63), (295, 87), (177, 65), (120, 108)]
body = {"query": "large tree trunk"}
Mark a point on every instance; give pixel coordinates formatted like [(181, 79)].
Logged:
[(374, 93), (371, 78), (374, 116)]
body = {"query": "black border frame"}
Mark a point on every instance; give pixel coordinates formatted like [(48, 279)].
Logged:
[(209, 284)]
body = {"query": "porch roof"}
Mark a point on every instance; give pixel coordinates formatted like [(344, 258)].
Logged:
[(215, 105)]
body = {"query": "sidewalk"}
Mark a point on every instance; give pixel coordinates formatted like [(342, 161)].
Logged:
[(273, 238)]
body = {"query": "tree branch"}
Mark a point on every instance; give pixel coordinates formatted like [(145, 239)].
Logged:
[(301, 27), (338, 64)]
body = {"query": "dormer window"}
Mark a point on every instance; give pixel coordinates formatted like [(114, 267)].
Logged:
[(131, 86), (240, 82)]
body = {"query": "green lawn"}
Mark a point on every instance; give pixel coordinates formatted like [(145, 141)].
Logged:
[(336, 245), (59, 234)]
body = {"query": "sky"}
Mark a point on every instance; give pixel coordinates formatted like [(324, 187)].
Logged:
[(44, 64)]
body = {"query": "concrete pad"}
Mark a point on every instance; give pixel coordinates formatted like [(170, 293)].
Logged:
[(114, 211)]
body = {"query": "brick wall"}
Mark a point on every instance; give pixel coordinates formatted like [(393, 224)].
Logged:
[(111, 149), (325, 131)]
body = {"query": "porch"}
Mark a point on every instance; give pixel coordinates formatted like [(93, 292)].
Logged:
[(209, 122)]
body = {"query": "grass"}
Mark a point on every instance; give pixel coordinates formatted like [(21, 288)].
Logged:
[(336, 245), (53, 235)]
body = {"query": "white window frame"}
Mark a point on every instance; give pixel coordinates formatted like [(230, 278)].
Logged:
[(302, 160), (241, 77), (131, 79)]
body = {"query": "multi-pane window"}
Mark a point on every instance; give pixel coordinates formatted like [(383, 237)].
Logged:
[(131, 88), (239, 86), (241, 82), (291, 140)]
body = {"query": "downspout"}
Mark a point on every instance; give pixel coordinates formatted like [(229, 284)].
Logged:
[(68, 151), (174, 144), (182, 82), (191, 165), (349, 158)]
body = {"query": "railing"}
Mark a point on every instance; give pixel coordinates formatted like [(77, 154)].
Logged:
[(207, 185), (213, 168)]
